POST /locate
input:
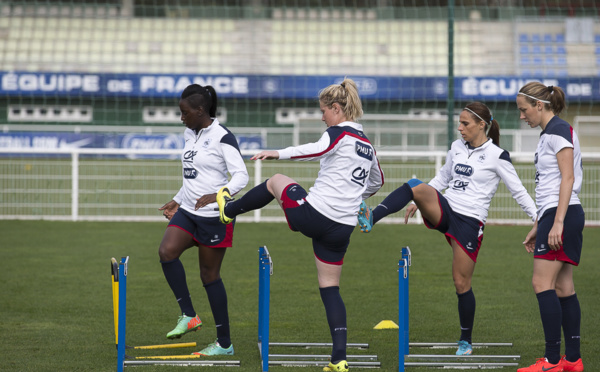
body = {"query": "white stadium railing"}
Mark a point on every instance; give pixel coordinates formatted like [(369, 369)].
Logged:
[(130, 185)]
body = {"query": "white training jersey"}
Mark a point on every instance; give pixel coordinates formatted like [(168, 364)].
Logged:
[(471, 177), (557, 135), (349, 172), (207, 158)]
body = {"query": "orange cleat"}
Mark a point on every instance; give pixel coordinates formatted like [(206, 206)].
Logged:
[(542, 365), (571, 366)]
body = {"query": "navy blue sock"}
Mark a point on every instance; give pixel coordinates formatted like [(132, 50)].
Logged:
[(255, 198), (217, 297), (551, 314), (175, 275), (571, 324), (466, 314), (336, 318), (393, 203)]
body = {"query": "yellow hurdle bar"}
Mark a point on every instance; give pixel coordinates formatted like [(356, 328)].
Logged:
[(164, 346), (114, 268), (165, 357)]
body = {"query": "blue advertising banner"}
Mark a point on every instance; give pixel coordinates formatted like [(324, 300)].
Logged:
[(281, 87), (134, 141)]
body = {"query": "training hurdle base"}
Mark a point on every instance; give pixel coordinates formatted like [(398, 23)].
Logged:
[(119, 288), (293, 360), (405, 359)]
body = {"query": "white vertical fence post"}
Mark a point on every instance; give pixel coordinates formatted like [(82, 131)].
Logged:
[(74, 185)]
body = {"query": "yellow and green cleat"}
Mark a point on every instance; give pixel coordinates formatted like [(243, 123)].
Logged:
[(185, 324), (223, 197), (341, 366)]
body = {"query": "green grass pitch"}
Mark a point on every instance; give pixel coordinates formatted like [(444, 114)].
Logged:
[(56, 301)]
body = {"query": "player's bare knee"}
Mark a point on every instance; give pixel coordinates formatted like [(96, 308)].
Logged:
[(166, 252)]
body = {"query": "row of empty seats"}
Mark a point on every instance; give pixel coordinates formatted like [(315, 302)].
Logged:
[(311, 46)]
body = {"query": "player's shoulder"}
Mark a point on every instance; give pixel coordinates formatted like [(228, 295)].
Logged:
[(559, 127)]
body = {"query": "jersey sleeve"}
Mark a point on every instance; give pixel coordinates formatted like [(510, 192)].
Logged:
[(179, 196), (442, 179), (513, 183), (308, 151), (235, 164)]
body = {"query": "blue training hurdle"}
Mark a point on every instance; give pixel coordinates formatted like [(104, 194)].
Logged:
[(170, 360), (296, 360), (440, 361)]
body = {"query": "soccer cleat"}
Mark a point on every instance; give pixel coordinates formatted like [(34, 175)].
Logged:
[(571, 366), (215, 349), (223, 197), (341, 366), (542, 365), (464, 348), (365, 218), (185, 324)]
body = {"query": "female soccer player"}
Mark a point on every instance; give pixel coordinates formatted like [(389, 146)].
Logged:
[(210, 152), (556, 238), (349, 173), (474, 167)]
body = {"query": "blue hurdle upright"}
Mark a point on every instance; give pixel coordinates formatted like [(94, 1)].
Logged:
[(295, 360), (120, 276), (441, 361)]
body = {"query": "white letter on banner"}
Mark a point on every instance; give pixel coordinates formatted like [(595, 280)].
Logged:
[(488, 87), (222, 85), (469, 87), (509, 90), (50, 86), (9, 82), (72, 82), (165, 84), (181, 84), (200, 81), (240, 85), (28, 82), (91, 83), (147, 83)]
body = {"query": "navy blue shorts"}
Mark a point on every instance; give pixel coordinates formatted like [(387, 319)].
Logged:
[(330, 239), (572, 236), (207, 231), (466, 231)]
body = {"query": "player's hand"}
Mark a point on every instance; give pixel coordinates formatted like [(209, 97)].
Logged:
[(169, 209), (265, 155), (410, 211), (555, 236), (205, 200), (529, 241)]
